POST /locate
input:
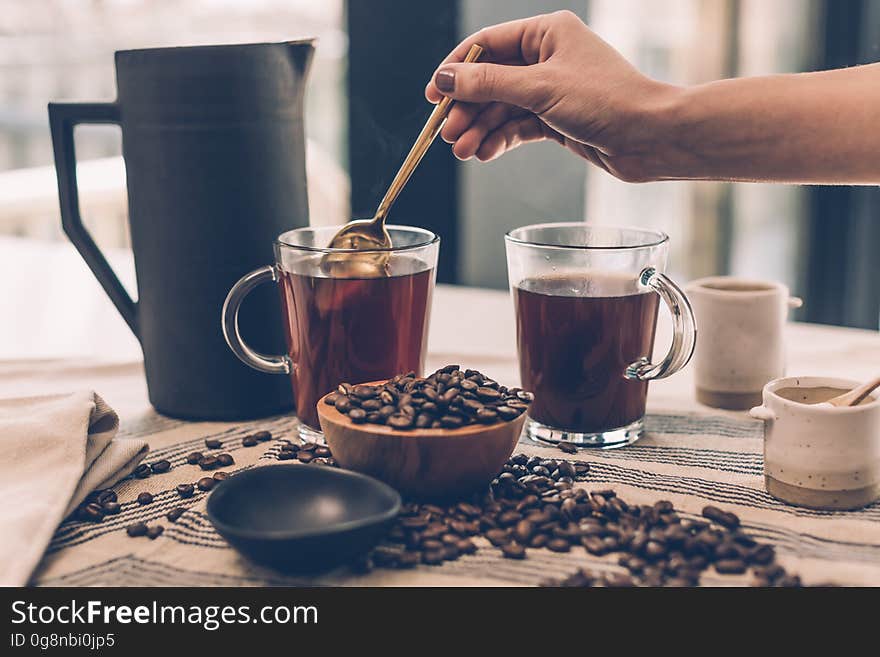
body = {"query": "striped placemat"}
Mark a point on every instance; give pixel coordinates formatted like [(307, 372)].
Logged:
[(690, 459)]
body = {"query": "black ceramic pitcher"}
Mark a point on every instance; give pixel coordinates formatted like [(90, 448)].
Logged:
[(214, 151)]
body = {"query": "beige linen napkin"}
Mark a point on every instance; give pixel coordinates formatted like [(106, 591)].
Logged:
[(53, 452)]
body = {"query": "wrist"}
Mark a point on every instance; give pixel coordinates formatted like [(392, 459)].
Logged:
[(655, 132)]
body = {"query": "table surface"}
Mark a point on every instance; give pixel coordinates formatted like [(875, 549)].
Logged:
[(677, 460)]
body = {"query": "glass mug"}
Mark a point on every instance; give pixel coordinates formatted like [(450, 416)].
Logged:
[(586, 299), (341, 325)]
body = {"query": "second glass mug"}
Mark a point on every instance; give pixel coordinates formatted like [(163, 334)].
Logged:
[(341, 326), (586, 301)]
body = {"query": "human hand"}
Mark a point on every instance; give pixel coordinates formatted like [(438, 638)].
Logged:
[(549, 77)]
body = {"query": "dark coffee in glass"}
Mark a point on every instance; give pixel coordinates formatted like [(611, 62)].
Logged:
[(586, 300), (353, 329), (573, 350), (358, 323)]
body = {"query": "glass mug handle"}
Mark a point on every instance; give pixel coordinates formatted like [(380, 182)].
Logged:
[(684, 330), (248, 356)]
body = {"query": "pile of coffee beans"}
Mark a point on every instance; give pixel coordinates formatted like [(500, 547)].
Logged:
[(449, 398), (534, 504)]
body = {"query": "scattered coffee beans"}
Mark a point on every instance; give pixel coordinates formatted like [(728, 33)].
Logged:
[(144, 498), (206, 483), (111, 508), (263, 436), (175, 513), (249, 441), (213, 443), (193, 458), (185, 490), (225, 460), (449, 398), (137, 529), (143, 471), (220, 476), (161, 466), (155, 532), (209, 463)]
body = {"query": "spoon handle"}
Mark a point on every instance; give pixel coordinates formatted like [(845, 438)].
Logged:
[(420, 147), (856, 395)]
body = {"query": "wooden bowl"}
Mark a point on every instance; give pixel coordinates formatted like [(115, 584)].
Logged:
[(422, 463)]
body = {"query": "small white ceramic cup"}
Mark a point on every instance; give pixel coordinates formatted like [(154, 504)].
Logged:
[(818, 455), (740, 346)]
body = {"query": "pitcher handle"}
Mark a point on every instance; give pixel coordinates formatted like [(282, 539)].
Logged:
[(229, 319), (684, 330), (63, 118)]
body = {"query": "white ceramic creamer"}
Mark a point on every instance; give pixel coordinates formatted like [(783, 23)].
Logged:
[(817, 455)]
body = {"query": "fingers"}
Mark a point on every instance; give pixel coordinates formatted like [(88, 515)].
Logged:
[(489, 120), (525, 86), (515, 132), (514, 42), (460, 118)]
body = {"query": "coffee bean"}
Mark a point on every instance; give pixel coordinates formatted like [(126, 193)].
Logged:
[(723, 518), (111, 508), (92, 512), (105, 496), (523, 531), (193, 458), (400, 421), (249, 441), (451, 421), (286, 456), (220, 476), (408, 560), (137, 529), (730, 566), (174, 514), (305, 457), (364, 392), (185, 490), (567, 447), (209, 463), (263, 436), (488, 394), (206, 483), (213, 443), (225, 460), (143, 471), (497, 537), (155, 532), (144, 498), (161, 466), (762, 555), (513, 551), (434, 558), (558, 545), (507, 413)]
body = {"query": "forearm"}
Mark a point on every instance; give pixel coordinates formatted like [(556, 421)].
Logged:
[(807, 128)]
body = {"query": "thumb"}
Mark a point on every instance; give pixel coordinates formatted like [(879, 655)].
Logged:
[(524, 86)]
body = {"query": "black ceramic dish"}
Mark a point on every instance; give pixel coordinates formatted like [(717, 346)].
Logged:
[(302, 518)]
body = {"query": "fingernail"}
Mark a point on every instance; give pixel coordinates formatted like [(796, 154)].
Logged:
[(445, 80)]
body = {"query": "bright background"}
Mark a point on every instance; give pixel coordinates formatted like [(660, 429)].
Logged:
[(821, 241)]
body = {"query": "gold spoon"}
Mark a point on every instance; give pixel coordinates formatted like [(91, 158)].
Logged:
[(855, 396), (371, 233)]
